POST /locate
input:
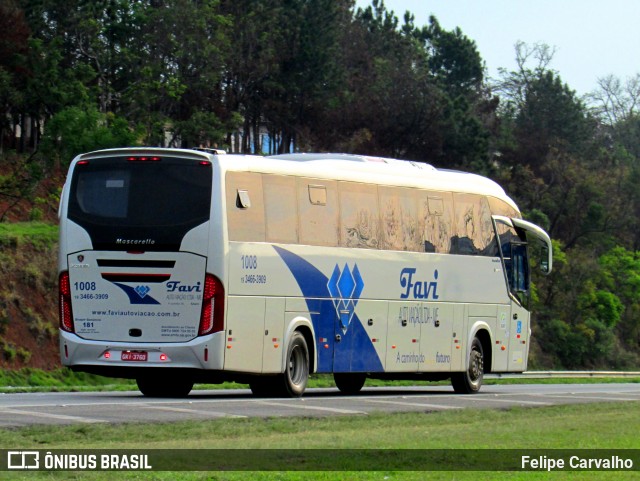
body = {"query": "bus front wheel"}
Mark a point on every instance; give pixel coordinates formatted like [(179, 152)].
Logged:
[(470, 381)]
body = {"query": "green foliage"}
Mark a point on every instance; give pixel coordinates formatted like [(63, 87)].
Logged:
[(601, 306), (588, 314), (39, 328), (621, 275), (39, 234), (454, 59), (4, 320), (24, 355), (9, 352), (36, 214), (323, 75), (80, 129), (58, 378)]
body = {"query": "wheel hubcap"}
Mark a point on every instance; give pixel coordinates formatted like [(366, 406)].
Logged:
[(476, 366), (296, 362)]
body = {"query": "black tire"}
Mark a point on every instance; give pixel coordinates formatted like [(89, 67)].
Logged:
[(153, 386), (470, 381), (348, 382), (264, 387), (296, 373)]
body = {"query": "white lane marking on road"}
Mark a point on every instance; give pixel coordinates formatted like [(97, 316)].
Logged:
[(311, 408), (193, 411), (62, 417), (403, 403), (510, 401), (581, 396)]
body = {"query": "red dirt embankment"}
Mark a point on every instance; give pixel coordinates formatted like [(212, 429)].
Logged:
[(28, 280)]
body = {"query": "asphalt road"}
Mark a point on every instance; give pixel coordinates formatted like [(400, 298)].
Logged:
[(21, 409)]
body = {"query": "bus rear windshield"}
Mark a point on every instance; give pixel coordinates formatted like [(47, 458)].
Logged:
[(160, 199)]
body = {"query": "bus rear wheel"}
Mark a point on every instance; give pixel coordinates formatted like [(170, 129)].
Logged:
[(296, 373), (349, 383), (170, 386), (470, 381)]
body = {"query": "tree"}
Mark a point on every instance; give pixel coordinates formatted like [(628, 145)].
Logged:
[(13, 48), (309, 74), (177, 82), (615, 101), (621, 276), (454, 59), (409, 92), (540, 110), (587, 314), (75, 130)]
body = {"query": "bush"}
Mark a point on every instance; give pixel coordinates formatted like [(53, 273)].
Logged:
[(9, 352), (24, 355)]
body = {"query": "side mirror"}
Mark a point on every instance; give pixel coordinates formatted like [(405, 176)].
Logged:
[(544, 260), (535, 232)]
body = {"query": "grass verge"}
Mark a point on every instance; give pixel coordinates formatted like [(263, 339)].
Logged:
[(37, 233), (588, 426), (65, 380)]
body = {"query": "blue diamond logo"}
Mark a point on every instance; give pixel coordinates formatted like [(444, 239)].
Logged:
[(332, 285), (345, 289), (346, 284), (142, 291), (359, 286)]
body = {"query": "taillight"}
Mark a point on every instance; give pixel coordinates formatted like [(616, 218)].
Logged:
[(212, 318), (66, 316), (144, 158)]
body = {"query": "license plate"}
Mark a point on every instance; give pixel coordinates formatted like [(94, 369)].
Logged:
[(134, 355)]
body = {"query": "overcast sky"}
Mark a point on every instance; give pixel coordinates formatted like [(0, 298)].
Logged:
[(593, 38)]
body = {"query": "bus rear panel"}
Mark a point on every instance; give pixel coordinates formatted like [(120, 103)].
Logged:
[(134, 288)]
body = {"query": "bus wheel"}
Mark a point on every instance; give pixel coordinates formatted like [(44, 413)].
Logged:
[(349, 383), (263, 387), (170, 386), (296, 373), (470, 381)]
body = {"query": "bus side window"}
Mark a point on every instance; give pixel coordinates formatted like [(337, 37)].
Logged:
[(245, 209), (399, 211), (359, 215), (520, 268), (436, 221), (475, 234), (519, 272), (515, 256), (281, 208), (318, 211), (500, 207)]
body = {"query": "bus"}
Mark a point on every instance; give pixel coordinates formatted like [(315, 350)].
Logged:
[(181, 266)]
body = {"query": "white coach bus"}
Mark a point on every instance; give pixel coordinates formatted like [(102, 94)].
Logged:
[(180, 266)]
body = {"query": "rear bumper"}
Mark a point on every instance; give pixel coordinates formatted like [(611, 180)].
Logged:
[(201, 353)]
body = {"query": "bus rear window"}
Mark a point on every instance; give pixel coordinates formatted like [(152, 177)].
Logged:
[(113, 191), (115, 199)]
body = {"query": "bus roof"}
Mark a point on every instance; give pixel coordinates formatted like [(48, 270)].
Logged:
[(376, 170), (337, 166)]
